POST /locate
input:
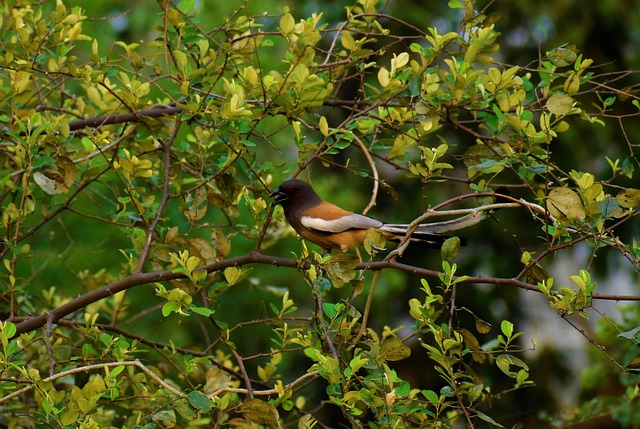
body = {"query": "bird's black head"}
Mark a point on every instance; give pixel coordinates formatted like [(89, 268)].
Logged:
[(293, 190)]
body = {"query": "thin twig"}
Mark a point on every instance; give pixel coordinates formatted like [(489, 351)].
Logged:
[(87, 368)]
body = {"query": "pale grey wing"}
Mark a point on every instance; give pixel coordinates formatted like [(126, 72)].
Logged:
[(344, 223), (439, 227)]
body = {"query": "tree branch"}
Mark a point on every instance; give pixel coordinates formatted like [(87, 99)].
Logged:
[(30, 323)]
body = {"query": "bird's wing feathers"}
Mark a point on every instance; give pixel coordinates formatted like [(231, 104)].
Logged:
[(344, 223)]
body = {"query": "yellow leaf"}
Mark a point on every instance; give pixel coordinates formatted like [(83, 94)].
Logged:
[(572, 84), (564, 203), (259, 412), (181, 60), (383, 77), (323, 126), (58, 178), (347, 41), (560, 104), (399, 61), (231, 275), (374, 241), (70, 417), (251, 75), (628, 198), (287, 23), (392, 349)]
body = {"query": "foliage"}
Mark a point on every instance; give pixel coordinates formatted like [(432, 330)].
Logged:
[(135, 182)]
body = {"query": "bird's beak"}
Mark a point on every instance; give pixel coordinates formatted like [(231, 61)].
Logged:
[(278, 197)]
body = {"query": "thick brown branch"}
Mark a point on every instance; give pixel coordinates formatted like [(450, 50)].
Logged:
[(136, 279), (120, 118), (29, 324)]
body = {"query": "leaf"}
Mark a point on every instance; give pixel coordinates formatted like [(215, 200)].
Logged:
[(165, 418), (340, 268), (628, 198), (401, 144), (562, 56), (184, 410), (10, 330), (392, 349), (481, 326), (347, 40), (169, 308), (505, 363), (58, 178), (232, 274), (259, 412), (560, 104), (186, 6), (70, 417), (383, 77), (331, 310), (450, 248), (200, 401), (399, 61), (323, 126), (287, 23), (473, 345), (197, 204), (321, 285), (507, 328), (374, 241), (564, 203), (431, 396)]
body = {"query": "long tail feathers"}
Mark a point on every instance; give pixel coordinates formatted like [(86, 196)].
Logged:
[(427, 234)]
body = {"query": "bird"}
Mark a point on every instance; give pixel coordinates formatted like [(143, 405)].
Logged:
[(332, 227)]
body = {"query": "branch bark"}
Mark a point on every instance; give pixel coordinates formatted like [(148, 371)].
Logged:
[(28, 324)]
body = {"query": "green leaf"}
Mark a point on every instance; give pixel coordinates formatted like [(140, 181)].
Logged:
[(450, 248), (41, 161), (203, 311), (507, 328), (506, 362), (200, 401), (169, 308), (9, 330), (165, 418), (404, 389), (321, 285), (186, 6), (431, 396), (115, 371), (331, 310)]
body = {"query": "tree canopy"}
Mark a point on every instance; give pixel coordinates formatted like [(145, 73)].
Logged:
[(147, 281)]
